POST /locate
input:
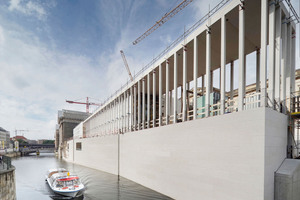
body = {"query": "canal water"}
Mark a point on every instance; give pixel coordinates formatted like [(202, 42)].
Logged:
[(31, 185)]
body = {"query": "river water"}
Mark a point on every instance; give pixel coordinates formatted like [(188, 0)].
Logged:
[(31, 185)]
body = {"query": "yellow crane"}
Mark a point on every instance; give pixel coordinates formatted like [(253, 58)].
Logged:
[(163, 20)]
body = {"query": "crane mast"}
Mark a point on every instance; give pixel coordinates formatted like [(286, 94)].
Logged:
[(163, 20), (126, 65)]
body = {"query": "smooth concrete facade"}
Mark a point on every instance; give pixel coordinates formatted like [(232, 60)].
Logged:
[(288, 180), (98, 153), (230, 156)]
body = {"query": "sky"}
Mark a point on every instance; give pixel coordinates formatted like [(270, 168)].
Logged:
[(55, 50)]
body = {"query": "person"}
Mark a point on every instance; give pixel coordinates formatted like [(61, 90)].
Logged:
[(0, 159)]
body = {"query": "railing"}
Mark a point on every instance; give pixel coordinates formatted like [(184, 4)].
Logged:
[(230, 106), (200, 112), (252, 101), (215, 109), (5, 163)]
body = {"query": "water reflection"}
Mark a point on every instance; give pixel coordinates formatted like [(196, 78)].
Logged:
[(30, 175)]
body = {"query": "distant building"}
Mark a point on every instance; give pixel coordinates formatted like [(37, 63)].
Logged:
[(67, 120), (20, 137), (40, 141), (56, 136), (32, 141), (4, 138)]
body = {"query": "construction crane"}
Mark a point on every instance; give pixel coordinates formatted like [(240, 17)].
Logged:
[(87, 103), (126, 65), (16, 132), (163, 20)]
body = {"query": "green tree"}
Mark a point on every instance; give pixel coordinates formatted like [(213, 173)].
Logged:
[(48, 142)]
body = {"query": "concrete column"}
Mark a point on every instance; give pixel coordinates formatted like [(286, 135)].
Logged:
[(160, 95), (128, 111), (154, 99), (195, 77), (184, 80), (113, 117), (211, 81), (223, 63), (277, 55), (175, 88), (143, 107), (293, 64), (208, 72), (131, 109), (110, 118), (134, 109), (271, 53), (139, 105), (124, 112), (241, 89), (148, 100), (263, 51), (167, 92), (119, 114), (257, 70), (203, 84), (288, 61), (283, 63)]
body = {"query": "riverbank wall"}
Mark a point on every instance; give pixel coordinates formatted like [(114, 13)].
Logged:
[(13, 154), (224, 157), (7, 184)]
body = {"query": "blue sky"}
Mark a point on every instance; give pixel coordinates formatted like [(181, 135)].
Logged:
[(55, 50)]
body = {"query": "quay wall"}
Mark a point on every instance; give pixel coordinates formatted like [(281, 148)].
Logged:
[(229, 157), (7, 184)]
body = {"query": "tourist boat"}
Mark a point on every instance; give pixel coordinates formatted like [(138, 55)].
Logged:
[(62, 183)]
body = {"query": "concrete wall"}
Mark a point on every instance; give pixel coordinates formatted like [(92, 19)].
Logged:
[(287, 180), (231, 156), (99, 153), (7, 184)]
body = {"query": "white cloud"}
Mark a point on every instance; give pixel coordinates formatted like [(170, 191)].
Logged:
[(35, 82), (2, 39), (30, 8)]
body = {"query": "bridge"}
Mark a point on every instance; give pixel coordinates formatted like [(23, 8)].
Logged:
[(26, 149)]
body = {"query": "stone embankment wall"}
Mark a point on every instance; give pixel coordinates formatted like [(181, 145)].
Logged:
[(13, 154), (7, 184), (230, 156)]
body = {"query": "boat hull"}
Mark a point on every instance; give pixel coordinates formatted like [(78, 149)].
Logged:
[(67, 193)]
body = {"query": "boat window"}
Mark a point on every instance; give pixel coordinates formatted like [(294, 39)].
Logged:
[(59, 184)]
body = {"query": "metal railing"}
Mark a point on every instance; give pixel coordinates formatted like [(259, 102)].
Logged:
[(5, 163)]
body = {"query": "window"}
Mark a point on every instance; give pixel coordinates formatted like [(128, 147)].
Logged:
[(78, 146)]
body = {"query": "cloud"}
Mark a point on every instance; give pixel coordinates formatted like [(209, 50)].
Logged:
[(2, 39), (35, 81), (30, 8)]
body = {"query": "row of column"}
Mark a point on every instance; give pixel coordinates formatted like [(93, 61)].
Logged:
[(132, 110)]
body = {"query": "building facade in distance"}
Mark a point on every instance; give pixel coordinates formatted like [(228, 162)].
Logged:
[(67, 120), (4, 138)]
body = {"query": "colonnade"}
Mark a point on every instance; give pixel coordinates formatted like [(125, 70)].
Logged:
[(155, 99)]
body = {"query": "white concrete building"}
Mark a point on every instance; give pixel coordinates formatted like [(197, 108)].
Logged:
[(220, 146)]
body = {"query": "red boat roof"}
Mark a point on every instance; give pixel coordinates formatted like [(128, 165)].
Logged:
[(68, 179)]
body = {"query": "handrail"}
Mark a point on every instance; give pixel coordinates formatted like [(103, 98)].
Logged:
[(6, 160)]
